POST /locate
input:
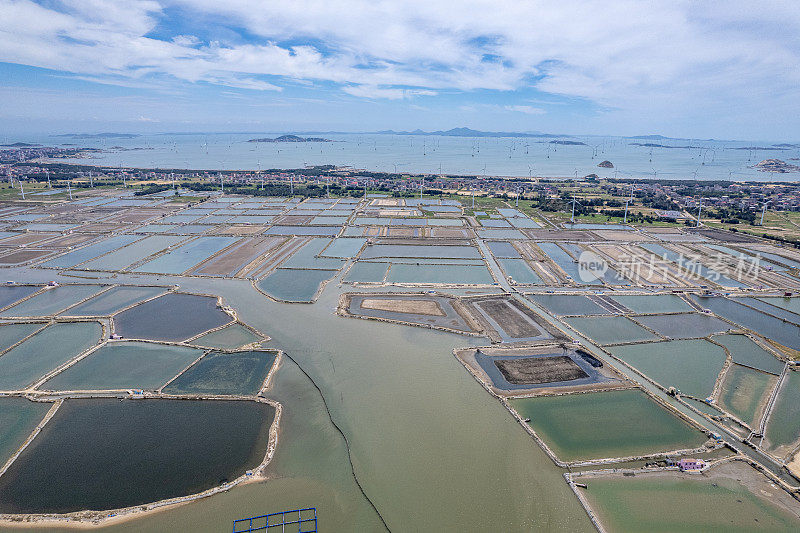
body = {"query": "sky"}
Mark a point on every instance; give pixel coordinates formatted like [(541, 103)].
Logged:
[(711, 69)]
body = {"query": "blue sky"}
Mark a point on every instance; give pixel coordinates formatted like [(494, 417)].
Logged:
[(680, 68)]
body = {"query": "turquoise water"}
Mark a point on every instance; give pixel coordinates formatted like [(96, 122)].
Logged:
[(436, 274)]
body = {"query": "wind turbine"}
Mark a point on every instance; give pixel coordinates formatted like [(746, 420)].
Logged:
[(763, 210), (699, 210), (574, 201), (625, 221)]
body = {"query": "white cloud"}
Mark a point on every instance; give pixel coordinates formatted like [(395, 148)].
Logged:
[(664, 56)]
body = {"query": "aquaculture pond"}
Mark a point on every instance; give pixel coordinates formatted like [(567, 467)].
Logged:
[(229, 337), (519, 270), (688, 265), (76, 257), (746, 352), (344, 247), (692, 366), (684, 325), (225, 373), (113, 300), (172, 317), (24, 364), (568, 304), (414, 250), (790, 304), (125, 365), (295, 285), (783, 427), (53, 300), (439, 274), (133, 253), (608, 424), (13, 293), (364, 271), (185, 257), (745, 393), (675, 502), (610, 329), (18, 418), (654, 303), (785, 333), (107, 454), (10, 334)]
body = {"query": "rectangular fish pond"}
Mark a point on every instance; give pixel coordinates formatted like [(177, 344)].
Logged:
[(53, 346), (294, 284), (610, 329), (106, 454), (691, 366), (225, 373), (172, 317), (732, 497), (125, 365), (591, 426), (18, 418)]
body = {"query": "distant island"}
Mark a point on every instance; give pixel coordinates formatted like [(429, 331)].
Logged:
[(569, 143), (776, 165), (98, 135), (606, 164), (290, 139), (20, 145)]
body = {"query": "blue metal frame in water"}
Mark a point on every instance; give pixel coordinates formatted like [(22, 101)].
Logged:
[(301, 517)]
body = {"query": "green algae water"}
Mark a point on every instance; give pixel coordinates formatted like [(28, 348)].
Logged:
[(783, 426), (745, 393), (107, 453), (610, 329), (680, 503), (692, 366), (18, 418), (225, 373), (606, 424)]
